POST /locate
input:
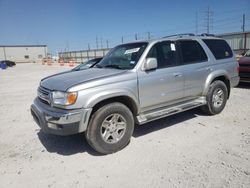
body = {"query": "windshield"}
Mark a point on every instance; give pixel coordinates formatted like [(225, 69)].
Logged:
[(124, 56), (87, 64), (247, 53)]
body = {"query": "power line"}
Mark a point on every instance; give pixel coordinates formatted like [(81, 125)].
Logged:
[(226, 20), (232, 22), (233, 11), (226, 23)]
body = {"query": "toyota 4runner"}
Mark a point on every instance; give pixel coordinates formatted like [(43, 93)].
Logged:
[(136, 83)]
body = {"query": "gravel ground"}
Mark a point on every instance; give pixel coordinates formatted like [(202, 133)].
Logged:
[(183, 150)]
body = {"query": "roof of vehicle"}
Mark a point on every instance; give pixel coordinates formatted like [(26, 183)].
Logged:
[(177, 37), (190, 36)]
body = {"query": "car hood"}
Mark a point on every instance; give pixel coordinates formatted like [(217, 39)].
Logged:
[(64, 81), (244, 60)]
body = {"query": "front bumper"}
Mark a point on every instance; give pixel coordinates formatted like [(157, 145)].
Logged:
[(59, 121), (244, 73), (245, 76)]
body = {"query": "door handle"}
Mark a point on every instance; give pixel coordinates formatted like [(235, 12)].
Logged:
[(177, 74)]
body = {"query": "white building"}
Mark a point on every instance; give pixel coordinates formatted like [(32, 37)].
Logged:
[(23, 53), (239, 41)]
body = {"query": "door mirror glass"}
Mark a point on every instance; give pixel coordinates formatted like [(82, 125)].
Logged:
[(150, 64)]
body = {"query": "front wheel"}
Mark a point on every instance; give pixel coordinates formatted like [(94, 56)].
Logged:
[(110, 128), (216, 98)]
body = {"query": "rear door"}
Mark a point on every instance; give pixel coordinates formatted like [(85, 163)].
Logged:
[(195, 67)]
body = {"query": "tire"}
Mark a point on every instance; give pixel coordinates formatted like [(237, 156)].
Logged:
[(216, 98), (110, 128)]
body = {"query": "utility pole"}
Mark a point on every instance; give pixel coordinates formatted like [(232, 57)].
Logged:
[(88, 51), (136, 37), (122, 39), (4, 53), (67, 45), (243, 23), (149, 35), (107, 42), (196, 23), (208, 20), (96, 42), (101, 43)]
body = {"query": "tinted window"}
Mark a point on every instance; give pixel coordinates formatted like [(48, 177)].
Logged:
[(192, 52), (153, 52), (219, 48), (168, 54), (165, 54)]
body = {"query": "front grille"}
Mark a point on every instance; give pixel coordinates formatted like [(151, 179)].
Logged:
[(44, 95)]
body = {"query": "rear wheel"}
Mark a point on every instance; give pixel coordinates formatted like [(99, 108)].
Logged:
[(216, 98), (110, 128)]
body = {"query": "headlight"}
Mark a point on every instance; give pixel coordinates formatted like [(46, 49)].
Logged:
[(64, 98)]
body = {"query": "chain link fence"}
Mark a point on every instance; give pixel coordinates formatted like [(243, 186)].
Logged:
[(84, 55)]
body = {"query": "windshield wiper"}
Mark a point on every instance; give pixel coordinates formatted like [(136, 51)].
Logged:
[(113, 66), (97, 66)]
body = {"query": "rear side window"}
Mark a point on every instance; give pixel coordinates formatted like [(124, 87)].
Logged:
[(192, 52), (219, 48)]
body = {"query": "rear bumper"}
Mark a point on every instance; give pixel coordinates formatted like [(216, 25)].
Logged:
[(58, 121), (234, 81)]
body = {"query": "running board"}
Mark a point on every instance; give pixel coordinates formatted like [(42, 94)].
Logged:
[(164, 112)]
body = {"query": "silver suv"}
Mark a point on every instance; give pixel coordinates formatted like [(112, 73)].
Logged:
[(136, 83)]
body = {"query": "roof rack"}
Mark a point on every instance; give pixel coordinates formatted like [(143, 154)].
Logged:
[(207, 35), (180, 35)]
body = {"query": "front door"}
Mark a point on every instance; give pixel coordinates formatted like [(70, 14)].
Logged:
[(165, 84)]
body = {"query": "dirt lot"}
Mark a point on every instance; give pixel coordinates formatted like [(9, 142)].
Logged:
[(184, 150)]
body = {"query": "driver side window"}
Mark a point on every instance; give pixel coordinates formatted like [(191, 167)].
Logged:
[(165, 53), (153, 52)]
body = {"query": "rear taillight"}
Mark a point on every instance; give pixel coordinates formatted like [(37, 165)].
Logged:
[(238, 68)]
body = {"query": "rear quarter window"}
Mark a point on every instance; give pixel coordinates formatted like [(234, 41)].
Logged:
[(219, 48)]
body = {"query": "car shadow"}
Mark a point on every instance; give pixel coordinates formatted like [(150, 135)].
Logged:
[(74, 144), (244, 85), (66, 145), (142, 130)]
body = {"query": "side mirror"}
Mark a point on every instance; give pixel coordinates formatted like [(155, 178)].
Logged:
[(150, 64)]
